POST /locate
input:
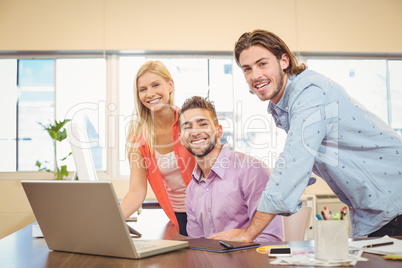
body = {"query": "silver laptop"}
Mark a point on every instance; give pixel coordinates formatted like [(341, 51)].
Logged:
[(85, 217)]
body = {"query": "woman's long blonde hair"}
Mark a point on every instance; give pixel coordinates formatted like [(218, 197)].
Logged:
[(141, 124)]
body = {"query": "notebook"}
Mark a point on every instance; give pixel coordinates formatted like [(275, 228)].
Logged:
[(216, 246), (85, 217)]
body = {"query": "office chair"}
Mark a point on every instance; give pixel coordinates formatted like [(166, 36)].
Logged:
[(296, 225)]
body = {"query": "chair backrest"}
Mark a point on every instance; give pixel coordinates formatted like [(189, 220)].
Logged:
[(296, 225)]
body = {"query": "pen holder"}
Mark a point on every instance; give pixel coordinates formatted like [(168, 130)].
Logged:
[(331, 239)]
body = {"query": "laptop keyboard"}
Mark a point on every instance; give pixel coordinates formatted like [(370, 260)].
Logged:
[(143, 244)]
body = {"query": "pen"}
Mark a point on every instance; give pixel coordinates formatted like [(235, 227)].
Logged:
[(327, 214), (318, 217), (225, 245), (323, 215), (343, 213), (378, 245)]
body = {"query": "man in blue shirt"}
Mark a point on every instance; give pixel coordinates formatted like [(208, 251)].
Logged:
[(328, 133)]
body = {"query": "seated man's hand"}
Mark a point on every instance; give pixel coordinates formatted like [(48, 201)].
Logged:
[(232, 235)]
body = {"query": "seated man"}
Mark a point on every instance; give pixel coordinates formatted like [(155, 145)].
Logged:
[(226, 186)]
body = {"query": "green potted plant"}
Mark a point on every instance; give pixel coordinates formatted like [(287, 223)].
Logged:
[(58, 133)]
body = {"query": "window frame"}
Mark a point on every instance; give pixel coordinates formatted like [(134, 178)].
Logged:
[(112, 171)]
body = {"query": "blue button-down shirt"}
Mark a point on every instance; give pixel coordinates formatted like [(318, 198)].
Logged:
[(355, 152)]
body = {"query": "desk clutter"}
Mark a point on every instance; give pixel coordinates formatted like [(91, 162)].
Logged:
[(304, 255), (310, 260), (31, 251), (391, 248)]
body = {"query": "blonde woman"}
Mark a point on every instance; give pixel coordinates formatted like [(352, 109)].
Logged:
[(154, 149)]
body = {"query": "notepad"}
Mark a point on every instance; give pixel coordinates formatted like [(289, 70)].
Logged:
[(395, 249), (215, 246)]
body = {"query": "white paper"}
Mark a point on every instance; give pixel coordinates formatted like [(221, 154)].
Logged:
[(309, 260), (395, 249)]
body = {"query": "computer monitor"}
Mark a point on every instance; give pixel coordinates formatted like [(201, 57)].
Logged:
[(81, 149)]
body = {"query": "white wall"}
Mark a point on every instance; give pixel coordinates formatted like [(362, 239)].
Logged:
[(208, 25)]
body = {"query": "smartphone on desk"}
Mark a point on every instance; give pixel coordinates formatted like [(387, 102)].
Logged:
[(280, 252)]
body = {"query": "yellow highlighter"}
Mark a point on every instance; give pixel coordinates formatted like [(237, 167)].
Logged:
[(393, 257)]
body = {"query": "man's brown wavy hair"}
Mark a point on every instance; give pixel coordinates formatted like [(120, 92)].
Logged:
[(271, 42)]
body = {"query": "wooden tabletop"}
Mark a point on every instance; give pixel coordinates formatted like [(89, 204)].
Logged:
[(22, 250)]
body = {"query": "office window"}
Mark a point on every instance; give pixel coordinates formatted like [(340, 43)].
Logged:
[(8, 102), (255, 131), (35, 104), (42, 90), (221, 93), (81, 92), (28, 87), (395, 88), (364, 80)]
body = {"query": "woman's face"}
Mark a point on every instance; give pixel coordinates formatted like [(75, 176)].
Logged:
[(154, 91)]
